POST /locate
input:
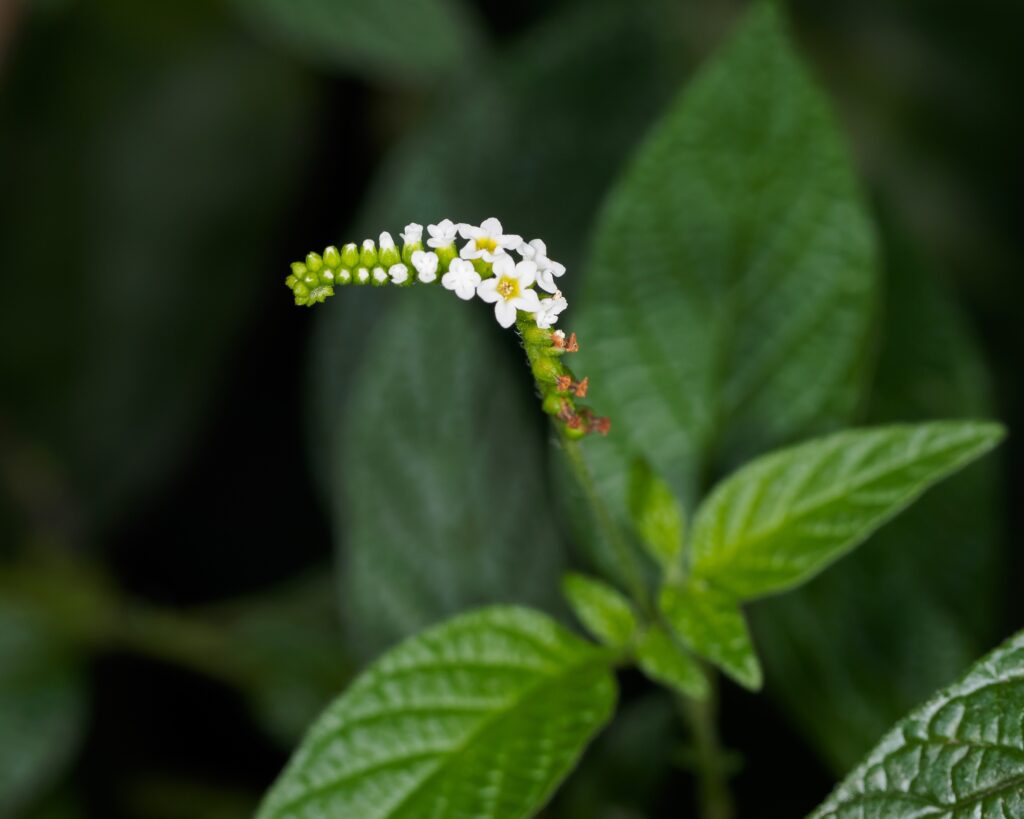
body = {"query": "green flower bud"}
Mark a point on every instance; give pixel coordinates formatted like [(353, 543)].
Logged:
[(299, 269), (350, 255), (368, 255), (314, 262), (332, 258), (445, 256), (389, 256), (546, 370), (555, 404)]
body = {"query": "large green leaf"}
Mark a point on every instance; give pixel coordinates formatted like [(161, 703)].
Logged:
[(732, 275), (139, 204), (785, 516), (899, 618), (445, 499), (958, 756), (401, 39), (42, 708), (481, 716)]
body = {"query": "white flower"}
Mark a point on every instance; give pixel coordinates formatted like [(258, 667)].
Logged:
[(547, 315), (413, 234), (462, 278), (509, 289), (547, 269), (399, 274), (386, 242), (425, 263), (442, 234), (380, 274), (487, 242)]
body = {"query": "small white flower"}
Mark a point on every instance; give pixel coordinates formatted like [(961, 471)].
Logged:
[(487, 242), (399, 274), (462, 278), (413, 234), (547, 315), (547, 269), (380, 274), (386, 242), (425, 263), (362, 275), (442, 234), (509, 289)]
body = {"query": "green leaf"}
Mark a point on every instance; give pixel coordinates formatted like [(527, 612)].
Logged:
[(412, 40), (657, 516), (665, 662), (602, 609), (710, 622), (784, 517), (959, 755), (42, 709), (481, 716), (445, 506), (863, 643), (732, 275)]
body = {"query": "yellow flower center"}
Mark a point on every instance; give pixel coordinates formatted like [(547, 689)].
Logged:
[(486, 243), (508, 288)]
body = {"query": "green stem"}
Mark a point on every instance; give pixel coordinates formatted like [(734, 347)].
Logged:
[(629, 566), (714, 799)]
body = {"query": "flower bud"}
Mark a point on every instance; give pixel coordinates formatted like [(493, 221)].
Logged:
[(332, 258), (388, 254), (368, 256), (350, 255), (546, 370), (314, 262)]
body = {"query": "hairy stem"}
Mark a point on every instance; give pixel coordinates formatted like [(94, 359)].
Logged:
[(714, 799)]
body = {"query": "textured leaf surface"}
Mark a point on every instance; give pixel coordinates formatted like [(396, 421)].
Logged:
[(661, 659), (42, 707), (443, 478), (904, 614), (710, 622), (657, 516), (731, 280), (602, 609), (407, 39), (481, 716), (959, 756), (785, 516)]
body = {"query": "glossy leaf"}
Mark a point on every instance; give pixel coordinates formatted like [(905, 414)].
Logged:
[(904, 614), (657, 516), (732, 274), (412, 40), (710, 622), (42, 709), (435, 519), (784, 517), (665, 662), (481, 716), (602, 609), (958, 756)]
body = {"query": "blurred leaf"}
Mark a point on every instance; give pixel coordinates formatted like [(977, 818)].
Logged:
[(661, 659), (445, 503), (657, 516), (784, 517), (42, 709), (959, 755), (413, 40), (141, 190), (290, 645), (481, 716), (602, 610), (865, 642), (731, 278), (711, 623)]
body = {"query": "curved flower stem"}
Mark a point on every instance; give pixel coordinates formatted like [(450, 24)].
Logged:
[(629, 566), (714, 798)]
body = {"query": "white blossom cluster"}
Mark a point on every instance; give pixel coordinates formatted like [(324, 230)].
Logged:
[(511, 287)]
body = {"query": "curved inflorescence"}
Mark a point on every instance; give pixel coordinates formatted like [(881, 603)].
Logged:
[(483, 268)]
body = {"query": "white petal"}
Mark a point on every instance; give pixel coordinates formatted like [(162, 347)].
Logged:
[(510, 241), (488, 290), (556, 268), (386, 242), (526, 300), (546, 282), (425, 263), (466, 231), (470, 251), (504, 265), (491, 227), (505, 312), (413, 233), (539, 248), (449, 281), (526, 272), (466, 290), (399, 273)]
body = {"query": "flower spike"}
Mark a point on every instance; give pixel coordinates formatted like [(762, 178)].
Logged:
[(483, 268)]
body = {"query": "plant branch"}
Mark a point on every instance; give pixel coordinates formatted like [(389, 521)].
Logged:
[(714, 799)]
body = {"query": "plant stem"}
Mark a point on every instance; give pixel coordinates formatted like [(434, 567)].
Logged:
[(714, 799), (629, 566)]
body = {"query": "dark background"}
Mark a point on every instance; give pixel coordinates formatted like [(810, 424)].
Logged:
[(160, 165)]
